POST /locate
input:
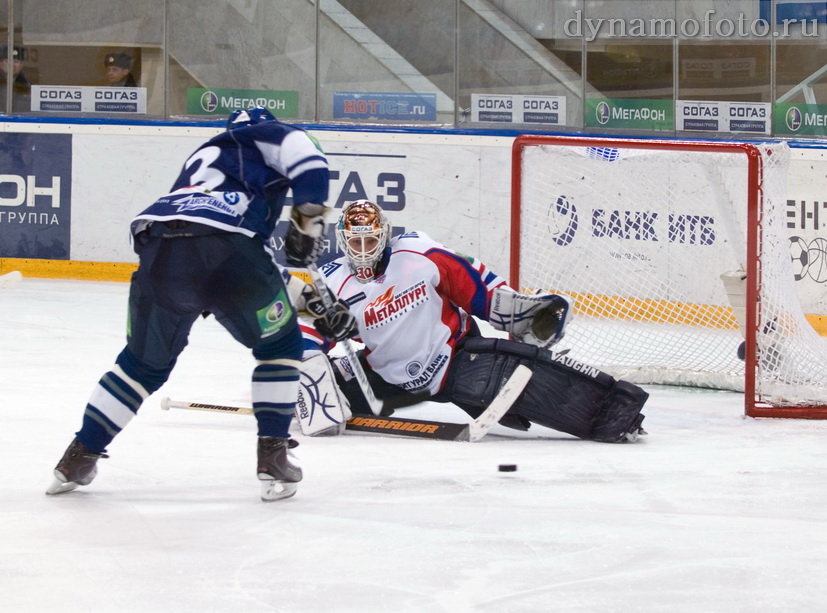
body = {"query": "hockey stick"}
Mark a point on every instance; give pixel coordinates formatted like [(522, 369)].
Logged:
[(506, 397), (402, 426), (419, 428), (10, 279), (167, 404), (473, 431), (358, 372)]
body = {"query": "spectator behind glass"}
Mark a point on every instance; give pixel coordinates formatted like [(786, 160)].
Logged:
[(118, 67), (21, 88)]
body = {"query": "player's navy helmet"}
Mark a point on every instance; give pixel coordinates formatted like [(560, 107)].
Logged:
[(249, 117)]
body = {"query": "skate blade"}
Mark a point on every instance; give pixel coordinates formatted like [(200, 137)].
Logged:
[(277, 490), (60, 487)]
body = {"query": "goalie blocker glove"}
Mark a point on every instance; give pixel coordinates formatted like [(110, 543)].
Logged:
[(336, 324), (304, 240)]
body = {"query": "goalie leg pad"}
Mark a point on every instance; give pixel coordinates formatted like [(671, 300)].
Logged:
[(620, 420), (321, 409), (563, 394)]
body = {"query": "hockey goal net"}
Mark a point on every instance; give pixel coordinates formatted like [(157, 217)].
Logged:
[(677, 257)]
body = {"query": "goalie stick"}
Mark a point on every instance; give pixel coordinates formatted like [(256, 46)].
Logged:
[(402, 426), (358, 372)]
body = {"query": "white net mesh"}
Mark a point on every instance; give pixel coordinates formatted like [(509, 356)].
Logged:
[(640, 238)]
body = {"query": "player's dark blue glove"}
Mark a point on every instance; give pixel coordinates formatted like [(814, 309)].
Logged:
[(304, 241)]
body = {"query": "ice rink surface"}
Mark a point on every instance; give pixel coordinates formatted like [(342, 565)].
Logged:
[(711, 512)]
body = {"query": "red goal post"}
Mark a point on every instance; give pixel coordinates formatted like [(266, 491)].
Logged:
[(677, 257)]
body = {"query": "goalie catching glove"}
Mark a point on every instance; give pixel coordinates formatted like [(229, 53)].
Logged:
[(304, 241), (538, 320)]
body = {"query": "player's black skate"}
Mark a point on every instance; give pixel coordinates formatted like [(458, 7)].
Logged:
[(78, 466), (278, 468)]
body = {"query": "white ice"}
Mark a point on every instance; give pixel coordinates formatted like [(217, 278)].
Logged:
[(712, 512)]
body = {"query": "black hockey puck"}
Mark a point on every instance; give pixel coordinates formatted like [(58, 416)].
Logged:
[(508, 468)]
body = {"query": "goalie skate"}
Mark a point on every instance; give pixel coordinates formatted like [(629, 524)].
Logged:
[(634, 433)]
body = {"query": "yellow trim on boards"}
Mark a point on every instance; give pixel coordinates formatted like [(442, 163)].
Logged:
[(118, 271), (662, 311), (68, 269), (819, 322)]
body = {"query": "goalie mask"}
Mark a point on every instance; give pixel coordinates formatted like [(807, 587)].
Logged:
[(362, 233)]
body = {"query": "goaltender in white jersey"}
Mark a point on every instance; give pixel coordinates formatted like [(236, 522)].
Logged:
[(414, 301), (413, 315)]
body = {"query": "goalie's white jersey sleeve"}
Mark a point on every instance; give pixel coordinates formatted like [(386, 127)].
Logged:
[(412, 316)]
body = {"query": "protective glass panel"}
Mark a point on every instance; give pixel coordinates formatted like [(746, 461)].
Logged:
[(229, 55), (629, 49), (723, 53), (90, 43), (387, 61), (13, 65), (518, 65)]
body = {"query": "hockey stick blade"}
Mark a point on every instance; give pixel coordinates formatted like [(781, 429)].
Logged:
[(355, 366), (404, 426), (505, 398), (10, 279)]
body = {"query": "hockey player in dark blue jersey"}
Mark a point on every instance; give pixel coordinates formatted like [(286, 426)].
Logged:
[(206, 247)]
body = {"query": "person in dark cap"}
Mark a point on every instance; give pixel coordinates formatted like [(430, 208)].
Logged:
[(118, 70), (21, 88)]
